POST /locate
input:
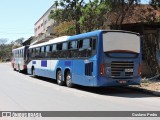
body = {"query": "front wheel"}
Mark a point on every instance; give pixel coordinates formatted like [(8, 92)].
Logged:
[(33, 72), (69, 80)]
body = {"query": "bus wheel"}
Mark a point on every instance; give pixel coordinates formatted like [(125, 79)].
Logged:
[(14, 68), (33, 72), (19, 70), (59, 78), (69, 79)]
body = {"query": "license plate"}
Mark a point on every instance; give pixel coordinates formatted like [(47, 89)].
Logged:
[(122, 81), (128, 70)]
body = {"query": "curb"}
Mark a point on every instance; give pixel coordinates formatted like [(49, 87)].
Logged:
[(155, 93)]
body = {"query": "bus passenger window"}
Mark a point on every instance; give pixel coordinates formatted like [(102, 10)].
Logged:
[(73, 45), (59, 52), (84, 48), (64, 46), (72, 49), (47, 48), (54, 51), (54, 47), (86, 44), (94, 46), (59, 46)]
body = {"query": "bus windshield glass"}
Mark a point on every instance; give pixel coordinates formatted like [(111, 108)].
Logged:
[(121, 41)]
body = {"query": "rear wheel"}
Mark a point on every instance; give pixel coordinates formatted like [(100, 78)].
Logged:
[(69, 80), (14, 67), (59, 78), (19, 70)]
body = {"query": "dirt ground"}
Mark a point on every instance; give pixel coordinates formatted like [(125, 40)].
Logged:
[(153, 85)]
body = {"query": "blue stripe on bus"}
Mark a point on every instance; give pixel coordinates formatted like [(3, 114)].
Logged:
[(67, 63), (33, 62), (44, 63)]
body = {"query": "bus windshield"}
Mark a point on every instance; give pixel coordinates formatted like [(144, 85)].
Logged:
[(120, 41)]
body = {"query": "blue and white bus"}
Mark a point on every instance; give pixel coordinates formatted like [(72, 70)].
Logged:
[(19, 58), (98, 58)]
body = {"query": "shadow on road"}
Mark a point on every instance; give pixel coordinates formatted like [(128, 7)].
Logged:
[(106, 91)]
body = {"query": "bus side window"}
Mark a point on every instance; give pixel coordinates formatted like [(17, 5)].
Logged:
[(65, 53), (73, 49), (84, 48), (37, 52), (23, 53), (42, 52), (50, 48), (59, 50), (54, 51), (33, 53), (94, 46), (47, 51)]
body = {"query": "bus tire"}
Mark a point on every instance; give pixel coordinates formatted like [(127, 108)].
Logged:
[(59, 78), (19, 70), (68, 79), (14, 67), (33, 72)]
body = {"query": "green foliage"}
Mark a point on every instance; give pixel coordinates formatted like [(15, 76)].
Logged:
[(93, 15), (155, 3), (3, 41), (87, 16), (5, 51), (19, 41)]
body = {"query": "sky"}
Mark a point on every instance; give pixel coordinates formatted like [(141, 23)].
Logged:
[(17, 17)]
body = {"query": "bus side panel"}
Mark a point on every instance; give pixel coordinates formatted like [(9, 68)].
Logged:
[(53, 68), (81, 72), (45, 68)]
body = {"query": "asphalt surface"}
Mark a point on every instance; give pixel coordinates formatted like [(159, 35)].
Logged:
[(21, 92)]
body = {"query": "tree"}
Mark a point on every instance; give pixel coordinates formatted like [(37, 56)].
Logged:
[(5, 49), (19, 41), (155, 3), (84, 16), (65, 28), (3, 41), (93, 15), (120, 9), (70, 10)]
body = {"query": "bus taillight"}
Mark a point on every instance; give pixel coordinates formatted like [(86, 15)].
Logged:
[(102, 69), (140, 69)]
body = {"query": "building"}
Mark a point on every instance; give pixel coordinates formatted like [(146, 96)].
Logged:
[(43, 28)]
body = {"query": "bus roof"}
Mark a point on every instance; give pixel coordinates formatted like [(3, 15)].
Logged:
[(55, 40), (19, 48), (79, 36), (96, 33)]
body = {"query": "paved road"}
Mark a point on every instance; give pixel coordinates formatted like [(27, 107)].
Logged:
[(20, 92)]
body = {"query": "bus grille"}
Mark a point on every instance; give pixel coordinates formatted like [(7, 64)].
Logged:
[(122, 69)]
